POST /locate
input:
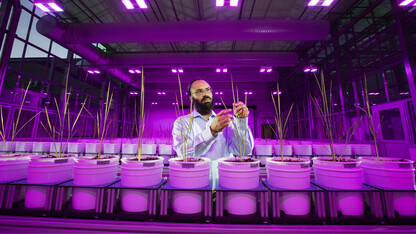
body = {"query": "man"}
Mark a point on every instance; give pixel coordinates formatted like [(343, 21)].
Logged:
[(211, 135)]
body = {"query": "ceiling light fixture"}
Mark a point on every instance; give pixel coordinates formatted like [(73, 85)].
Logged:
[(129, 4), (267, 69), (310, 69), (405, 2), (93, 71), (177, 69), (49, 5), (323, 3), (221, 3)]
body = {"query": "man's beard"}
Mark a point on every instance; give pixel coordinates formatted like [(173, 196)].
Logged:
[(203, 108)]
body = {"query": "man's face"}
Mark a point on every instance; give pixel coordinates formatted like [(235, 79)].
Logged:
[(202, 97)]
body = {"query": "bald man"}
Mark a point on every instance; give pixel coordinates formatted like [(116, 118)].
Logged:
[(211, 134)]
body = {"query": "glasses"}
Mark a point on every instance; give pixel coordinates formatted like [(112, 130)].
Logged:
[(199, 92)]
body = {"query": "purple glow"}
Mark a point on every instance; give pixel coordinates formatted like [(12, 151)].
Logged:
[(216, 93), (159, 93), (275, 92), (90, 71), (128, 4), (180, 70), (248, 93), (224, 70), (335, 104), (134, 93), (262, 69), (222, 93), (314, 70), (233, 3), (219, 3), (174, 103), (269, 70), (131, 71), (154, 103), (404, 93), (97, 72), (218, 70), (55, 7), (307, 70), (138, 71), (406, 2), (174, 70), (42, 7), (141, 4), (313, 2)]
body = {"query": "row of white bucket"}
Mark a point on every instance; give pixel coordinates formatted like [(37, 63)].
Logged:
[(86, 147)]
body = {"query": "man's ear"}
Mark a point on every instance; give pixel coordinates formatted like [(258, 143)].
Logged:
[(190, 98)]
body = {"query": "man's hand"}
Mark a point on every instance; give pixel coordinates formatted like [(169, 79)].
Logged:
[(221, 121), (240, 110)]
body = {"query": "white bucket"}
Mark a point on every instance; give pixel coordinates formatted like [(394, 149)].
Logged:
[(398, 174), (76, 147), (303, 150), (341, 175), (111, 148), (129, 149), (264, 150), (361, 149), (239, 175), (7, 146), (42, 170), (321, 150), (287, 150), (92, 147), (90, 172), (41, 147), (139, 174), (57, 147), (165, 149), (13, 167), (188, 175), (291, 175), (24, 146), (342, 149), (149, 149)]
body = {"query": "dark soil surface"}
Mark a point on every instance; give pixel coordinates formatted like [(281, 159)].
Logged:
[(56, 156), (144, 158), (192, 159), (340, 160), (238, 159), (388, 159), (102, 157), (288, 160), (13, 155)]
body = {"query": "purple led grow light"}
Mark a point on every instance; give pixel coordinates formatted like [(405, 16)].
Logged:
[(323, 3), (406, 2), (131, 5)]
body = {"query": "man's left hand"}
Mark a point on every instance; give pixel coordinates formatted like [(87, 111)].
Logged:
[(240, 110)]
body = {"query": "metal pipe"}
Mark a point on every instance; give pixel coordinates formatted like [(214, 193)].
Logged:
[(233, 59), (264, 30)]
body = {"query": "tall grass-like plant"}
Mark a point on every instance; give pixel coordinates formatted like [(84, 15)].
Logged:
[(240, 136), (281, 126), (369, 115), (15, 129), (64, 115), (185, 134), (325, 110), (141, 120), (102, 125)]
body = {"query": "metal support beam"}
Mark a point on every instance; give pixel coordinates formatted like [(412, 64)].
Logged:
[(8, 45), (5, 10)]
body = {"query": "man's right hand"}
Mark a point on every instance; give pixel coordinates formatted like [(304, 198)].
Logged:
[(221, 121)]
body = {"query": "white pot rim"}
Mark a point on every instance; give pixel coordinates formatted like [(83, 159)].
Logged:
[(126, 160), (41, 158), (178, 160), (386, 160), (91, 160), (271, 160), (325, 159)]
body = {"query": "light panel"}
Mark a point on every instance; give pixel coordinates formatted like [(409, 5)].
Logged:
[(49, 5), (405, 2), (322, 3)]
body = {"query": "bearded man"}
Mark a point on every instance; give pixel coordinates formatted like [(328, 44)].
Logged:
[(211, 135)]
